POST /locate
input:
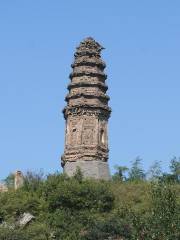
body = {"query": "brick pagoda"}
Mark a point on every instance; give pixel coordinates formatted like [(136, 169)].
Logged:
[(86, 114)]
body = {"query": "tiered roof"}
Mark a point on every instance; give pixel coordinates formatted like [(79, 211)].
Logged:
[(87, 88)]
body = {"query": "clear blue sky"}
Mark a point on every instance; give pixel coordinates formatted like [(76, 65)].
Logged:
[(37, 42)]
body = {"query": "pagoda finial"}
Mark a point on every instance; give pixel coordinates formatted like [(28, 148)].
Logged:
[(89, 47)]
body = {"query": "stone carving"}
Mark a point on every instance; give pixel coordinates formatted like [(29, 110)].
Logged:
[(87, 113), (87, 136)]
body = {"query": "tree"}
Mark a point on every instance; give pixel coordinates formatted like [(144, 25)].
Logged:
[(33, 180), (119, 174), (155, 171), (136, 173), (9, 181), (175, 168), (164, 219)]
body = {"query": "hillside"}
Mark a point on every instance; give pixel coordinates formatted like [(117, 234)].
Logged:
[(74, 208)]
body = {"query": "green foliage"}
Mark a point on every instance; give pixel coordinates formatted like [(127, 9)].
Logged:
[(33, 181), (164, 202), (163, 220), (175, 168), (78, 175), (136, 173), (9, 181), (37, 231), (78, 209), (6, 234), (159, 221), (78, 196), (119, 175), (155, 171)]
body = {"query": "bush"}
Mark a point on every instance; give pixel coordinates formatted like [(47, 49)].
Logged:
[(78, 209), (69, 193)]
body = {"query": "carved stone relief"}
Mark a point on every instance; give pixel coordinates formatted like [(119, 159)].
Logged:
[(87, 136), (88, 130)]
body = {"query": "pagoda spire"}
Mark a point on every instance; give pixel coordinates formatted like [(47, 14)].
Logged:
[(88, 72)]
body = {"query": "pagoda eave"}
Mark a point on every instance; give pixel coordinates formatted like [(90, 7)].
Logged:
[(100, 85), (103, 76)]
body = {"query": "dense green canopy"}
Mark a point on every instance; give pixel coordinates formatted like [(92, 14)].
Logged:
[(74, 208)]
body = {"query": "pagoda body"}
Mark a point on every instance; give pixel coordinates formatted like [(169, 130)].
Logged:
[(86, 114)]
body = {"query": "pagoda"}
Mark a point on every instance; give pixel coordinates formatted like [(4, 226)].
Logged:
[(86, 114)]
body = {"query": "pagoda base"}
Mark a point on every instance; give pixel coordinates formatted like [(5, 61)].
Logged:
[(89, 169)]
